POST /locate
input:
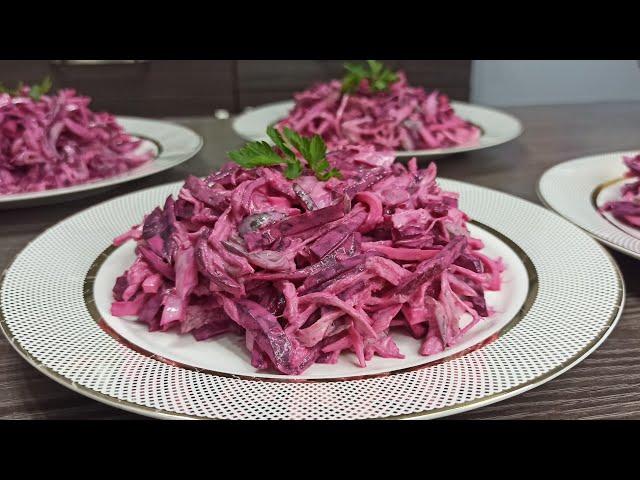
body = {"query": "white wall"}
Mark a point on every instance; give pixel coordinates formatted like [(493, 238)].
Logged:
[(540, 82)]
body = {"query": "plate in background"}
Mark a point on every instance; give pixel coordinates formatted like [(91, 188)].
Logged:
[(173, 144), (497, 127), (577, 188)]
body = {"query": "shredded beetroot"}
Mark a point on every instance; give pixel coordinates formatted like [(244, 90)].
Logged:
[(403, 118), (627, 209), (57, 141), (308, 269)]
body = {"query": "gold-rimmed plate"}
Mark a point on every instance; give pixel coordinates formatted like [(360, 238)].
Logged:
[(172, 144), (577, 189), (51, 311), (497, 127), (227, 354)]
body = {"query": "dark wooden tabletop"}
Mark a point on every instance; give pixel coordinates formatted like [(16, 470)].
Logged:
[(606, 385)]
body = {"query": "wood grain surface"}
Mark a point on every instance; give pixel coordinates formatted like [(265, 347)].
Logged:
[(604, 386)]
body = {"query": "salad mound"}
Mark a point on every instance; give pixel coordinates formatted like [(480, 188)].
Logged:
[(54, 141), (306, 269), (627, 210), (383, 111)]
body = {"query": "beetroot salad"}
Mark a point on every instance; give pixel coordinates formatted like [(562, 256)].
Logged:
[(375, 106), (55, 141), (309, 255), (627, 209)]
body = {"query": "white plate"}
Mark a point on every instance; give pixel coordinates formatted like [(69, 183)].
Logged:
[(557, 306), (497, 127), (172, 143), (577, 188)]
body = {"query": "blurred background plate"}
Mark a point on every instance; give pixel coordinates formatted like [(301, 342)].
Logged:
[(497, 127), (172, 143), (593, 180)]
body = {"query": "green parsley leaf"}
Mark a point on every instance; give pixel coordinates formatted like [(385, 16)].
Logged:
[(379, 77), (256, 154), (297, 141), (317, 150), (313, 150), (293, 169), (375, 67), (35, 92), (324, 176), (275, 136), (351, 81)]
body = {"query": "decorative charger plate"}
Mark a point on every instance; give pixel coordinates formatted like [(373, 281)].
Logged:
[(497, 127), (576, 189), (173, 144), (561, 297)]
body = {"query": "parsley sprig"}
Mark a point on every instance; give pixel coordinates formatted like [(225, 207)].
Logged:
[(35, 92), (379, 77), (313, 150)]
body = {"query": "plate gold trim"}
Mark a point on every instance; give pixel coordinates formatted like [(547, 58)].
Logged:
[(585, 229), (157, 144), (602, 186), (431, 413)]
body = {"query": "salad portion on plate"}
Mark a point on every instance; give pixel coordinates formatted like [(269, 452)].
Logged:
[(375, 106), (53, 141), (604, 198), (306, 254), (625, 205), (300, 255), (53, 144)]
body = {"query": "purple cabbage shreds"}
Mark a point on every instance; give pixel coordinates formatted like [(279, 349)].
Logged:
[(479, 305), (184, 210), (331, 270), (121, 285), (296, 224), (403, 118), (308, 273), (57, 141), (218, 199), (429, 269), (212, 266), (154, 224), (470, 262), (336, 236), (623, 208), (627, 209)]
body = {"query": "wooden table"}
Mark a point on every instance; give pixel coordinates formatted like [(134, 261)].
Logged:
[(606, 385)]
